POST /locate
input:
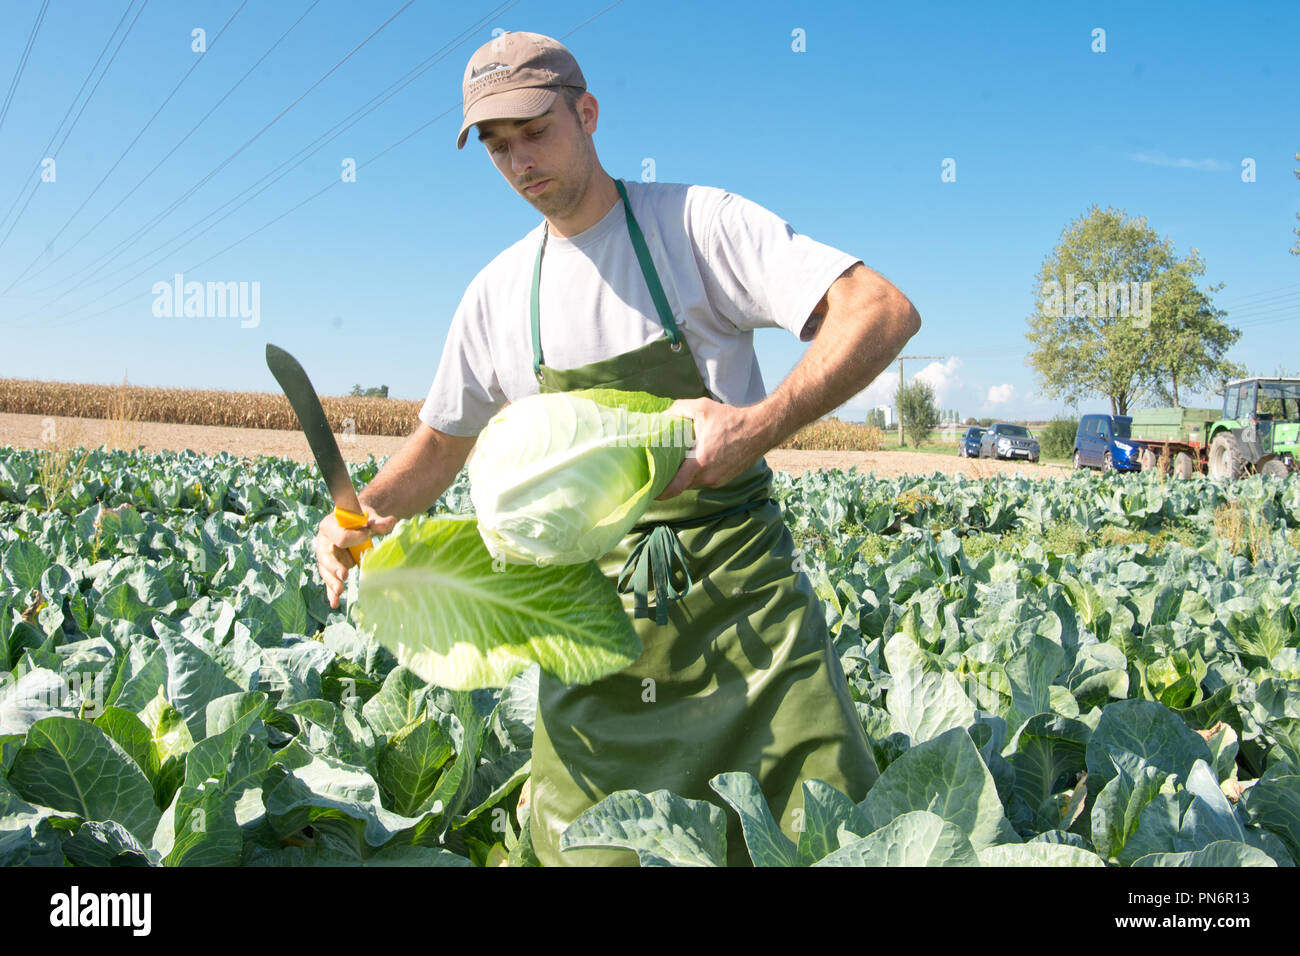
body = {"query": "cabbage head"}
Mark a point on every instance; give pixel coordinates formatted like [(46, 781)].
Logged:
[(560, 478)]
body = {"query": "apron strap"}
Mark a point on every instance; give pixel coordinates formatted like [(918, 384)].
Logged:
[(648, 272), (652, 562), (535, 314), (652, 559)]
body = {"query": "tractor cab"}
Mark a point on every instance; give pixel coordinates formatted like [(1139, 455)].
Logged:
[(1261, 399)]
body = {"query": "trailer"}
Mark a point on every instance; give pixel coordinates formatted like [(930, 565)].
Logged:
[(1177, 437)]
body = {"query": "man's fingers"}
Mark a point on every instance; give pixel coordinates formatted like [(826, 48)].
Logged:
[(682, 480), (343, 539), (333, 582), (333, 544), (380, 524)]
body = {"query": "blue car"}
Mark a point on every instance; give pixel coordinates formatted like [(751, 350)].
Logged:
[(1102, 441), (968, 446)]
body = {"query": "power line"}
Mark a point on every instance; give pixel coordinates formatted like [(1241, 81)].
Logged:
[(160, 162), (1266, 292), (55, 135), (129, 147), (1249, 306), (271, 178), (22, 62), (334, 182), (1258, 319), (225, 162), (588, 20), (306, 153), (36, 185)]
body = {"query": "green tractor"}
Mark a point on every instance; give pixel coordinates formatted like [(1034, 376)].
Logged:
[(1259, 430)]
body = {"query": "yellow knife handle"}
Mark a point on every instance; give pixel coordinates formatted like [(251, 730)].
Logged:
[(352, 521)]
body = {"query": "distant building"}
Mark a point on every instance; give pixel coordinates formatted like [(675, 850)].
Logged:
[(889, 414)]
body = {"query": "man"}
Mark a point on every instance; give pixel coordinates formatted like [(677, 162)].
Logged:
[(657, 287)]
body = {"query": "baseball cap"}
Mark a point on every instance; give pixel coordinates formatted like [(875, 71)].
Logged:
[(516, 76)]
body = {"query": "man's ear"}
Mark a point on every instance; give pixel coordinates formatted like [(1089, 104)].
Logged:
[(588, 112)]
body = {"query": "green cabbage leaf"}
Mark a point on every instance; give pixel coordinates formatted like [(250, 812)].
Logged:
[(433, 595)]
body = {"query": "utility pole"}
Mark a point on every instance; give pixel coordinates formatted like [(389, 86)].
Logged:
[(897, 404)]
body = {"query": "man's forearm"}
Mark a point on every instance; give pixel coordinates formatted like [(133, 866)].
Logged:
[(417, 473), (864, 330)]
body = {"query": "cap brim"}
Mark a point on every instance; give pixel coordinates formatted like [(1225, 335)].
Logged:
[(512, 104)]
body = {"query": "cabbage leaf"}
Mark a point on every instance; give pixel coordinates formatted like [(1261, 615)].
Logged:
[(457, 618)]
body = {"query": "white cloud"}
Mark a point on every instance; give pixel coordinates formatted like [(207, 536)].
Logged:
[(1001, 394), (943, 378), (1159, 159), (879, 392)]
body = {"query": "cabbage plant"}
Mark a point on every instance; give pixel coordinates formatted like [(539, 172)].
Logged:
[(560, 478)]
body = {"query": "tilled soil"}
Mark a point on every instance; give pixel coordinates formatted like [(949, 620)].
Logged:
[(35, 431)]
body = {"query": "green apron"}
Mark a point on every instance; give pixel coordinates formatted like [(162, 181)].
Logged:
[(741, 677)]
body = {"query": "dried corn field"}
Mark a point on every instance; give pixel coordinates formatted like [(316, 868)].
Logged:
[(834, 435), (182, 406), (361, 416)]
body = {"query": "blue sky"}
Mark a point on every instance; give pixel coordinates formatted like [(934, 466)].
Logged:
[(845, 140)]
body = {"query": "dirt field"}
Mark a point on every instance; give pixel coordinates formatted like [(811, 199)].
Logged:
[(26, 431)]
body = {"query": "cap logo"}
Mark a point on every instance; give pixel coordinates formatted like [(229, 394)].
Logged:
[(487, 68)]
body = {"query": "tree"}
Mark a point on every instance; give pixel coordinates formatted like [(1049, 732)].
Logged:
[(1295, 250), (1118, 316), (1190, 337), (915, 404)]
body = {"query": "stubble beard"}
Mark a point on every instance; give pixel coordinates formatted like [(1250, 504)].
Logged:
[(567, 189)]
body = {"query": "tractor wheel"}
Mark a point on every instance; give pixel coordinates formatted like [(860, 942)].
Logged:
[(1107, 463), (1274, 466), (1148, 460), (1183, 466), (1077, 463), (1228, 456)]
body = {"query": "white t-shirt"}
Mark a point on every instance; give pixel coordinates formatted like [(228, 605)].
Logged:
[(728, 266)]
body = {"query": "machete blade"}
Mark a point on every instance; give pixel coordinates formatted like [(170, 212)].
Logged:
[(297, 388)]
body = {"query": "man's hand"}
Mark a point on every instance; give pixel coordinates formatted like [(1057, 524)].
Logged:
[(727, 441), (332, 543)]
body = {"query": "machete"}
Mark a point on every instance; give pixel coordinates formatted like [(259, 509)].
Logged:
[(297, 388)]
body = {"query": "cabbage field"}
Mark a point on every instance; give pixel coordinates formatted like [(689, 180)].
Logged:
[(1096, 670)]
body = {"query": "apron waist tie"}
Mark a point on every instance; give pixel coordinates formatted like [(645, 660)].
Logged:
[(653, 559)]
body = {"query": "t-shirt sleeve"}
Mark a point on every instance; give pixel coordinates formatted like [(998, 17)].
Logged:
[(465, 393), (760, 273)]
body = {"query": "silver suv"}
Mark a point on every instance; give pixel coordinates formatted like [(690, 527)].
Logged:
[(1005, 440)]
